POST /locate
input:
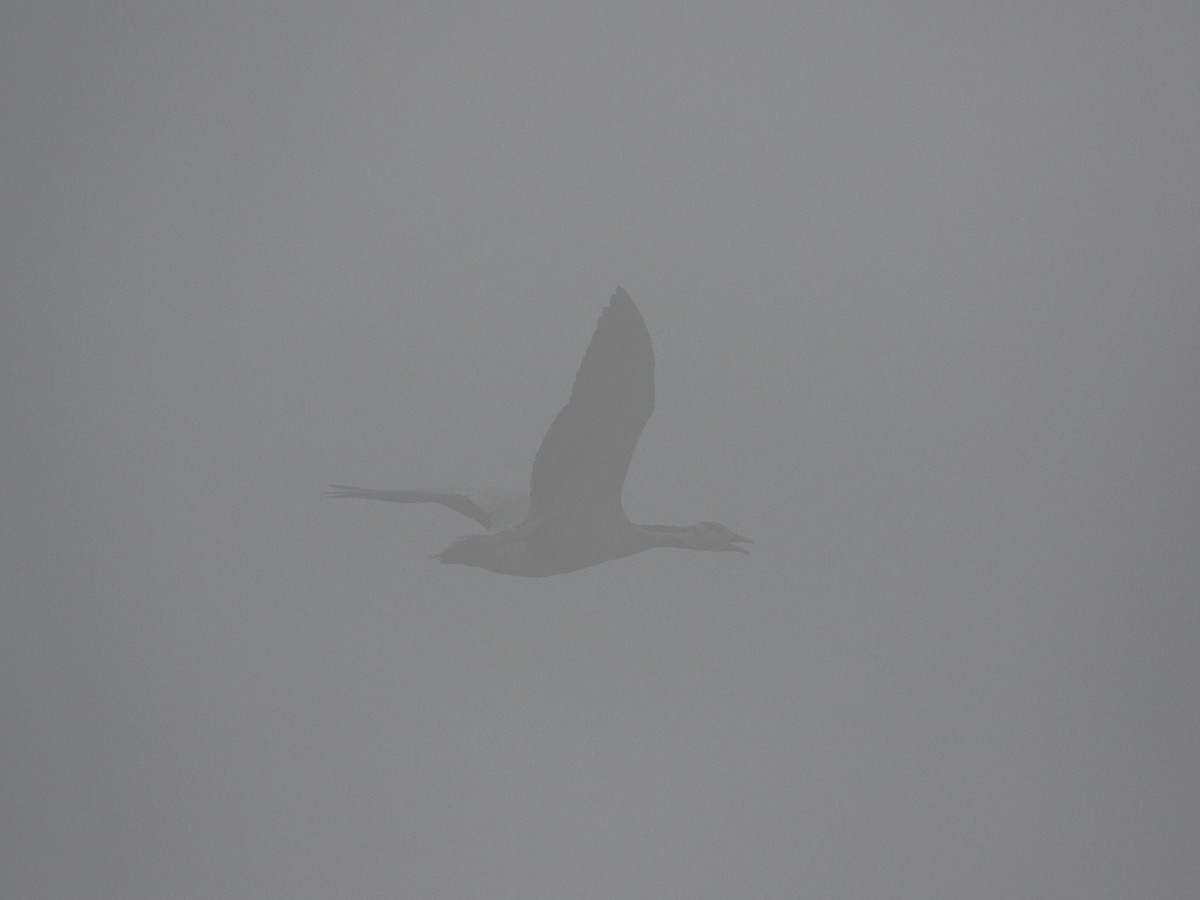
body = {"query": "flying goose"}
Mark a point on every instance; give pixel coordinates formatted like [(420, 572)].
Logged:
[(572, 517)]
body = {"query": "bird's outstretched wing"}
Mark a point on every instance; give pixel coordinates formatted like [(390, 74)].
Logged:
[(491, 509), (580, 467)]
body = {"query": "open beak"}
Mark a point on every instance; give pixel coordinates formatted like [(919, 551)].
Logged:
[(738, 538)]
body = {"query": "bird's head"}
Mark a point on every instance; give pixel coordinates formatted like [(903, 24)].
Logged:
[(715, 536)]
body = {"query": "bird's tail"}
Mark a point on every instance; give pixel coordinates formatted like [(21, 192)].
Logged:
[(469, 550)]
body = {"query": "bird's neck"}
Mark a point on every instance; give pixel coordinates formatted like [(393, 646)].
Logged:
[(670, 536)]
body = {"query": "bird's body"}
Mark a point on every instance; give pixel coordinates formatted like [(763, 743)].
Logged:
[(572, 517)]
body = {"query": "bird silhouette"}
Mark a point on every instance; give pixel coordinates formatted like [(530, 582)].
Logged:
[(572, 517)]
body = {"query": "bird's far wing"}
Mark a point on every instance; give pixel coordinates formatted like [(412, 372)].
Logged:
[(580, 467), (491, 509)]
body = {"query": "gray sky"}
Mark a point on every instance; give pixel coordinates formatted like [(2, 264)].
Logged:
[(922, 283)]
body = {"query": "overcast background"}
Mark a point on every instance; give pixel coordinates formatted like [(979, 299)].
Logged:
[(923, 281)]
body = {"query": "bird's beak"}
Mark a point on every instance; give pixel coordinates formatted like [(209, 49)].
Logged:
[(740, 539)]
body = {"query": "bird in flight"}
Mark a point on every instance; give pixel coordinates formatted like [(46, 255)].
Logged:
[(572, 517)]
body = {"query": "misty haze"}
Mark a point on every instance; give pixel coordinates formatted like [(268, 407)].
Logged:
[(922, 286)]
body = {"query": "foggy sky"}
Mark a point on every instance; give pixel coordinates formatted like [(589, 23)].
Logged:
[(922, 285)]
